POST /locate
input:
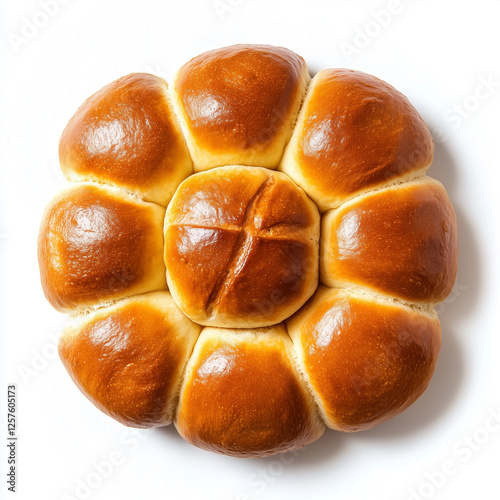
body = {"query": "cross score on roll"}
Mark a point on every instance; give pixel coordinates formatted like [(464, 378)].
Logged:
[(250, 254)]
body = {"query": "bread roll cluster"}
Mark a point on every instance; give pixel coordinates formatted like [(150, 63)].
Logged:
[(250, 254)]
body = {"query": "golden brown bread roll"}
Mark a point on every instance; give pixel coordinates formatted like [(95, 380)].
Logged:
[(354, 133), (400, 241), (238, 104), (241, 247), (98, 244), (127, 134), (128, 358), (366, 359), (242, 395)]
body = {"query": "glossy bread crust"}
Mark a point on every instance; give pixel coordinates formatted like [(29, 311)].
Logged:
[(238, 104), (128, 358), (98, 244), (243, 397), (127, 134), (366, 359), (241, 247), (354, 133), (400, 242)]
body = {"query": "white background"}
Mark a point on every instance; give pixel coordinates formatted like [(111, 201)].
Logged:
[(440, 54)]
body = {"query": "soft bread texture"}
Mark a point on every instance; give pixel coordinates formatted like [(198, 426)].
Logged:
[(243, 397), (241, 247), (400, 241), (128, 358), (238, 104), (366, 359), (127, 134), (354, 133), (98, 244)]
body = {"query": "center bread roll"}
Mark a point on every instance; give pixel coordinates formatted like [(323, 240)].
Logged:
[(241, 247)]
